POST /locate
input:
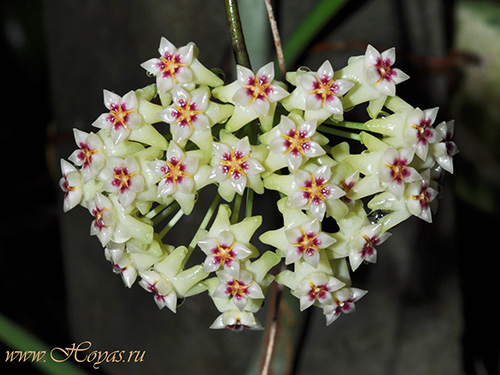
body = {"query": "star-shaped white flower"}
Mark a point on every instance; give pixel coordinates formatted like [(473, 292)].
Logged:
[(121, 262), (176, 172), (362, 245), (90, 156), (237, 285), (103, 225), (236, 320), (125, 179), (179, 66), (314, 191), (223, 251), (420, 195), (419, 132), (343, 303), (254, 96), (258, 90), (306, 242), (71, 184), (226, 244), (235, 166), (317, 289), (379, 71), (296, 142), (444, 151), (186, 114), (164, 292), (122, 116), (317, 93), (322, 90), (173, 65), (396, 172)]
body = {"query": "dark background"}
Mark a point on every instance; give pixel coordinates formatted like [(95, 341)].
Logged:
[(431, 307)]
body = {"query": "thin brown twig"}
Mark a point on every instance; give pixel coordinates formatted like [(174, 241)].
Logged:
[(276, 37), (272, 333)]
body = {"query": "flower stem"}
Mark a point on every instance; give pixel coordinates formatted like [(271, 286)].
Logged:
[(206, 219), (339, 133), (171, 223), (159, 216), (155, 211), (351, 125), (236, 33), (236, 208), (249, 203)]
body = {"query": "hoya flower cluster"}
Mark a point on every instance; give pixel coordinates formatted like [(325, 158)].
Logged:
[(156, 148)]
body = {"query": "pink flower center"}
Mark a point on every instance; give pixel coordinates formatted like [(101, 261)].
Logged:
[(399, 170), (344, 306), (174, 171), (186, 113), (423, 130), (170, 65), (316, 190), (307, 243), (368, 248), (296, 141), (237, 289), (324, 88), (234, 164), (66, 187), (99, 220), (424, 197), (223, 254), (384, 69), (317, 291), (258, 88), (346, 186), (122, 178), (85, 155), (118, 116)]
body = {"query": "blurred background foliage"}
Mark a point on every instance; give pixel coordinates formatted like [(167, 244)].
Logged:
[(431, 303)]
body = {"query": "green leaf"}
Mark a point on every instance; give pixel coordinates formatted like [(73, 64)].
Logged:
[(309, 28), (17, 338)]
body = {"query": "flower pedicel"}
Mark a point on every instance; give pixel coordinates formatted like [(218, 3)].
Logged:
[(140, 174)]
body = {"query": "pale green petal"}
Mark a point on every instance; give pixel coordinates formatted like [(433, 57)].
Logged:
[(221, 221), (263, 265), (149, 111), (188, 279), (149, 135), (242, 115), (203, 75), (282, 183), (170, 266), (244, 230)]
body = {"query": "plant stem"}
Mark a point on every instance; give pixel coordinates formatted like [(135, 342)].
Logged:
[(160, 216), (339, 133), (249, 203), (350, 125), (236, 32), (155, 211), (206, 219), (171, 223), (236, 208)]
